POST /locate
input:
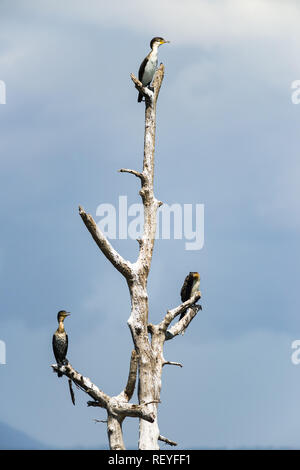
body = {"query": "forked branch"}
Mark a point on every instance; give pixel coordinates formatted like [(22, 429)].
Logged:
[(172, 314), (117, 407), (141, 88)]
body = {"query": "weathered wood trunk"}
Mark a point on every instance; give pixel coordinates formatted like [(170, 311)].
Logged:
[(149, 370), (147, 357)]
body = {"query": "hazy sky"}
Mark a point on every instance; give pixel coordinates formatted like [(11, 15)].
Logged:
[(227, 137)]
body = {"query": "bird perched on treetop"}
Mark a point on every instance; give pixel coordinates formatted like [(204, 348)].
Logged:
[(60, 346), (190, 287), (149, 64)]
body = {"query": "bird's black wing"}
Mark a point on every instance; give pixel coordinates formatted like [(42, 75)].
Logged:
[(186, 291), (54, 347), (187, 288), (60, 347), (142, 68), (141, 72), (56, 352), (67, 343)]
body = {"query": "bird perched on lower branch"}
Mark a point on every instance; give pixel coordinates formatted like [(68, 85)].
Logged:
[(60, 346), (190, 287), (148, 66)]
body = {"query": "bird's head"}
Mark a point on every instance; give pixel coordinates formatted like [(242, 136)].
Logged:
[(157, 41), (196, 276), (62, 314)]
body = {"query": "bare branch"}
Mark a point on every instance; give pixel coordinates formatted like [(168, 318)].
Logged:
[(150, 402), (130, 386), (172, 363), (138, 174), (123, 266), (84, 383), (93, 403), (171, 314), (115, 407), (182, 324), (157, 81), (114, 432), (140, 87), (167, 441)]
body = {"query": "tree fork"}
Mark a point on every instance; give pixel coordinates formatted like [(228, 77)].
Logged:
[(147, 357)]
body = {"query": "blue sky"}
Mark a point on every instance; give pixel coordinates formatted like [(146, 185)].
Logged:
[(227, 137)]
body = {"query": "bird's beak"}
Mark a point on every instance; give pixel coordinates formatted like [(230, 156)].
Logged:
[(165, 42), (67, 314)]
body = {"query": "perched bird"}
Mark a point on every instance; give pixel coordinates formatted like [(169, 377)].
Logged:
[(148, 66), (60, 346), (190, 287), (60, 340)]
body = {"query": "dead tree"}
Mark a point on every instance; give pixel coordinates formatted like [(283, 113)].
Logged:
[(147, 357)]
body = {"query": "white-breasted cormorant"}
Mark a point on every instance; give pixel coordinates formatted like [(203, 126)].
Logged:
[(148, 66), (60, 347), (60, 340)]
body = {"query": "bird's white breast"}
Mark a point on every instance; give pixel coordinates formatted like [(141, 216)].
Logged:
[(150, 68), (195, 287)]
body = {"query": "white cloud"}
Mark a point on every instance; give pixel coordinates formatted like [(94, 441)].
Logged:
[(189, 22)]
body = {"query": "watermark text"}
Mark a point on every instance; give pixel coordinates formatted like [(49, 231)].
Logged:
[(176, 221), (2, 92), (2, 352), (295, 96)]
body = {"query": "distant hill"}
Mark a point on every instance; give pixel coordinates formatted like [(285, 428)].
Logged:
[(11, 438)]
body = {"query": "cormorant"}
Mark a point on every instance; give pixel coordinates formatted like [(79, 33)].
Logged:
[(60, 340), (60, 346), (190, 287), (148, 66)]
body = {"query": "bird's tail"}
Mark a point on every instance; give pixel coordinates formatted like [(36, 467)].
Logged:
[(71, 392), (140, 97)]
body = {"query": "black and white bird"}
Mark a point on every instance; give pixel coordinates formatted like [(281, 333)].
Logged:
[(60, 340), (148, 66), (60, 346), (190, 287)]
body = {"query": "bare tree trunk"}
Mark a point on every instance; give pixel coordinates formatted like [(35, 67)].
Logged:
[(151, 358), (149, 370), (147, 356)]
